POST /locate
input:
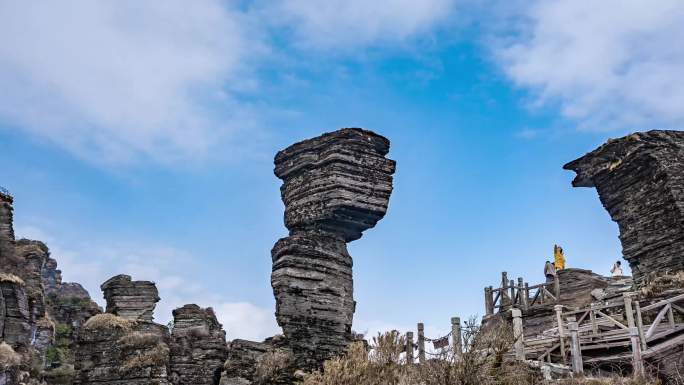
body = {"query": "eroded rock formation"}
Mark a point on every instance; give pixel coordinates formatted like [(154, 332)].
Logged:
[(6, 231), (116, 351), (124, 346), (131, 300), (335, 186), (640, 181), (269, 362), (198, 346)]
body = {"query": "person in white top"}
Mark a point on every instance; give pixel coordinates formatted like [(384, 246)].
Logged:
[(617, 269)]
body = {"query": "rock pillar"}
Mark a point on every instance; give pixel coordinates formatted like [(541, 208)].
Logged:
[(335, 186)]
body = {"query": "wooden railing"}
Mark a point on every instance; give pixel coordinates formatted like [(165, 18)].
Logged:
[(603, 327), (520, 295)]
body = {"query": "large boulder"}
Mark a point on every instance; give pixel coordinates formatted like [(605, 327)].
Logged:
[(132, 300)]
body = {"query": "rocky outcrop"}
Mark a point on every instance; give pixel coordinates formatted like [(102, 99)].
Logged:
[(7, 260), (258, 363), (124, 346), (198, 347), (31, 257), (52, 277), (335, 186), (131, 300), (640, 181), (116, 351), (15, 327)]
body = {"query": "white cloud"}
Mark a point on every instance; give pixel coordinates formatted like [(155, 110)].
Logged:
[(115, 80), (610, 64), (90, 264), (354, 23)]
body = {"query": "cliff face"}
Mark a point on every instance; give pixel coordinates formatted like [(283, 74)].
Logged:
[(335, 186), (640, 181)]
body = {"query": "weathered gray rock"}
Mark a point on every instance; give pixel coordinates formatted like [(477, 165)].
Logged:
[(123, 346), (198, 347), (31, 257), (640, 181), (132, 300), (7, 241), (116, 351), (258, 363), (52, 277), (15, 327), (335, 186)]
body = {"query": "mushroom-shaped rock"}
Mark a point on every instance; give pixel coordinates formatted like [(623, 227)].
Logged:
[(131, 300), (335, 186), (640, 181)]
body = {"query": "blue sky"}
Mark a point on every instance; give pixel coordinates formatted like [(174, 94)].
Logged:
[(138, 137)]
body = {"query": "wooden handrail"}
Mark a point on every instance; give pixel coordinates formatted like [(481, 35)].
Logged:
[(663, 302)]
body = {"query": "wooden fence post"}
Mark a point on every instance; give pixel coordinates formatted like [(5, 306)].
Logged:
[(592, 318), (561, 329), (456, 336), (421, 343), (511, 285), (575, 348), (518, 334), (489, 301), (522, 294), (504, 301), (637, 361), (640, 325), (629, 312), (526, 292), (409, 347)]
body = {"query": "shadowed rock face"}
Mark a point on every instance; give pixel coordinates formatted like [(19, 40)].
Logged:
[(640, 181), (335, 186), (198, 346), (132, 300)]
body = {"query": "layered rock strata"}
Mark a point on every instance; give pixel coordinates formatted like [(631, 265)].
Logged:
[(335, 186), (132, 300), (15, 327), (640, 181), (6, 231), (124, 346), (198, 347), (258, 363), (116, 351)]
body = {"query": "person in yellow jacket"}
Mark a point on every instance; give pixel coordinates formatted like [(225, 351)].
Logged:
[(558, 257)]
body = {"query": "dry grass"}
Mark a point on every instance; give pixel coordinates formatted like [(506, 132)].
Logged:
[(108, 321), (46, 322), (157, 356), (8, 357), (657, 284), (11, 278), (481, 363), (139, 340), (273, 367), (608, 381)]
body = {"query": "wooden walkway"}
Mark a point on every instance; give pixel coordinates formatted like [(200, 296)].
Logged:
[(606, 334)]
